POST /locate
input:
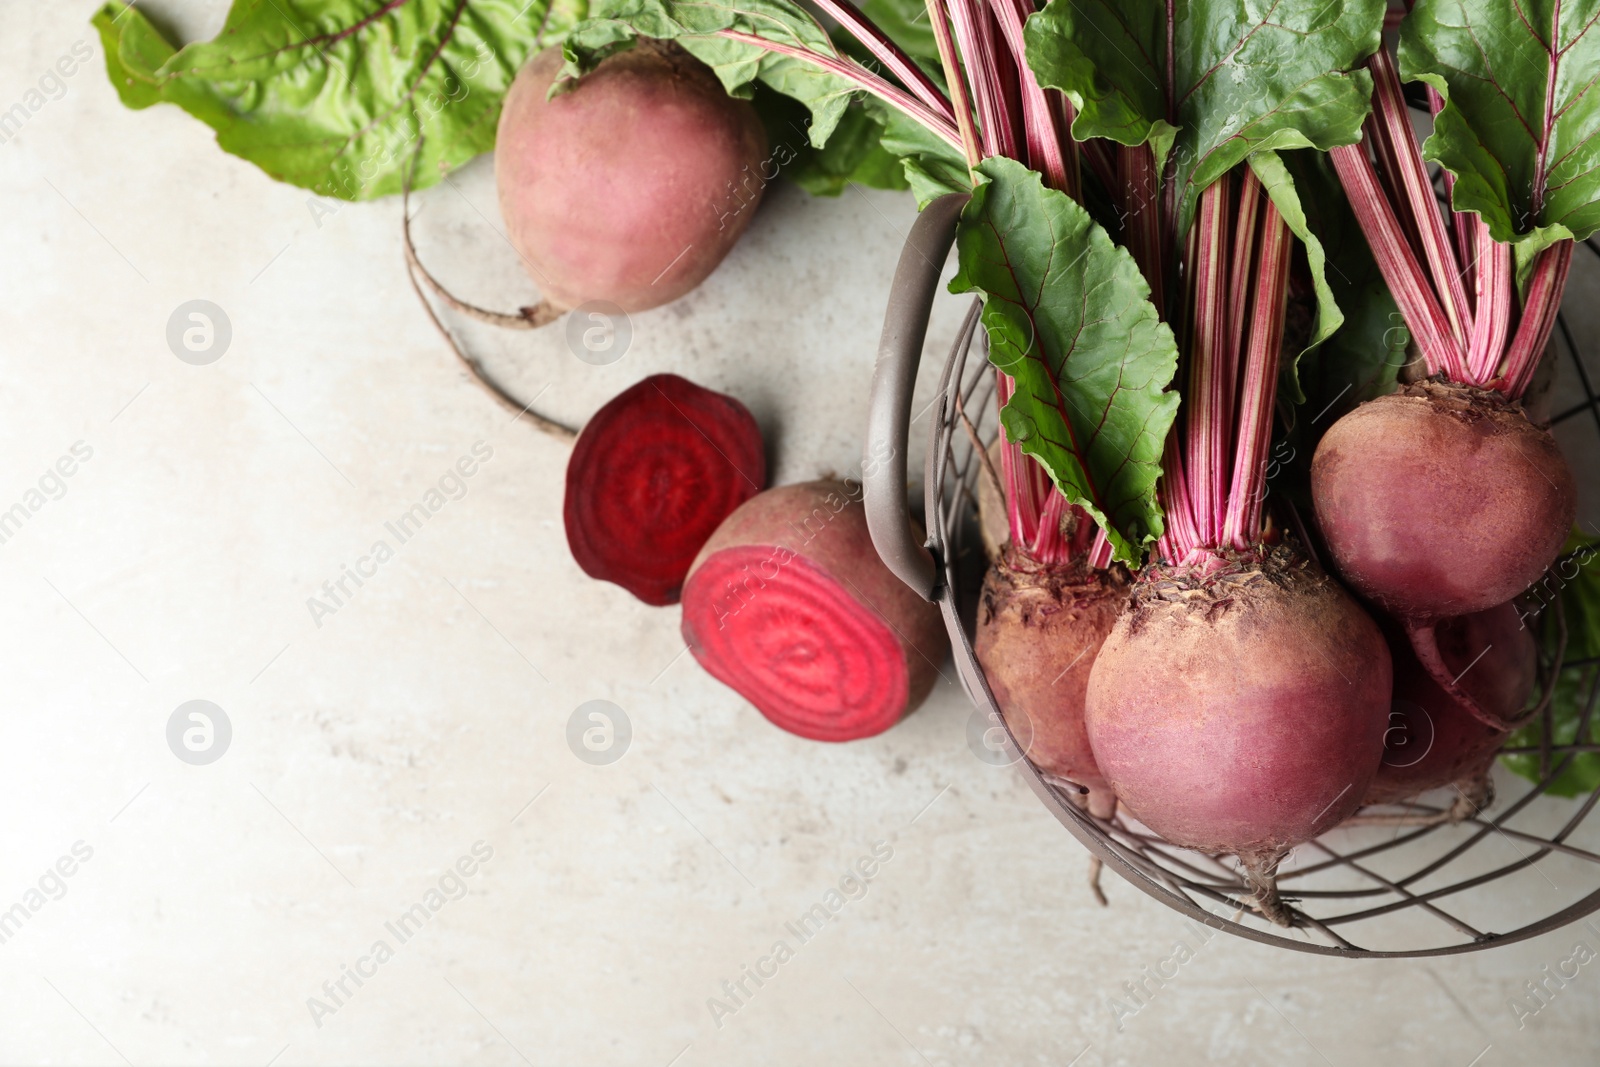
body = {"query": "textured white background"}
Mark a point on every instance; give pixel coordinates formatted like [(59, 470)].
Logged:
[(422, 718)]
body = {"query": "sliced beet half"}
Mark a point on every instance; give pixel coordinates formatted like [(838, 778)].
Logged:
[(652, 476), (789, 605)]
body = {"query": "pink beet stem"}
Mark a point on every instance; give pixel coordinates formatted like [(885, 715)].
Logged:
[(853, 71), (1541, 302), (996, 132), (955, 77), (1243, 526), (1140, 188), (1463, 224), (1050, 151), (889, 54), (1393, 126), (1210, 369), (1100, 551), (1021, 508), (1396, 261), (1181, 534), (1421, 257), (1251, 197), (1491, 324)]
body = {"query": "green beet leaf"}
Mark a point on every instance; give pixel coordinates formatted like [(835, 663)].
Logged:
[(616, 24), (1358, 339), (1520, 129), (1069, 318), (332, 95), (1246, 75), (854, 154), (929, 165)]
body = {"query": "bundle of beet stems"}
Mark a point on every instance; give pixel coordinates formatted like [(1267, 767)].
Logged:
[(1132, 221)]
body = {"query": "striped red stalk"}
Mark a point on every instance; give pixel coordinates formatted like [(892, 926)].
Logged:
[(1247, 489), (889, 54), (1540, 303), (1392, 123), (849, 69), (1396, 260), (1050, 150), (1139, 184), (996, 134), (1210, 369)]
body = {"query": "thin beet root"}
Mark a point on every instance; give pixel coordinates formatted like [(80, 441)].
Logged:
[(631, 185), (789, 605), (652, 476), (1260, 870), (1452, 651), (1095, 868), (1433, 739), (1242, 710), (1039, 630), (1441, 500)]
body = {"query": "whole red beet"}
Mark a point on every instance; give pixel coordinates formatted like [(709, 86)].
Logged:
[(1039, 631), (631, 185), (1441, 500), (1241, 711)]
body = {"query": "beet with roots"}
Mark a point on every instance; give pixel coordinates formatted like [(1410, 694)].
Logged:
[(789, 605), (652, 476), (1433, 740), (1441, 500), (1241, 711), (1040, 629), (631, 185)]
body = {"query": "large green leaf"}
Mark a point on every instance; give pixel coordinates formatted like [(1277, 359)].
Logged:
[(1069, 318), (1358, 341), (332, 95), (1246, 75), (1520, 129), (854, 154), (931, 166), (616, 24)]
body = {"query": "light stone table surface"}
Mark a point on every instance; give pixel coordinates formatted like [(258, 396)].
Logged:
[(426, 718)]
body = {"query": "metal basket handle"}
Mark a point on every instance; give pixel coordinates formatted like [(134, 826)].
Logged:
[(905, 327)]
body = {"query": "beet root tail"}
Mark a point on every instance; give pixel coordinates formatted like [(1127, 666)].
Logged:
[(1474, 795), (1261, 876), (1096, 865), (1425, 643)]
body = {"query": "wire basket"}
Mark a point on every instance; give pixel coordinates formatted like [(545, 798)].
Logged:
[(1509, 873)]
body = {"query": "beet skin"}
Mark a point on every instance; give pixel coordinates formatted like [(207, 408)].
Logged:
[(1244, 711), (631, 185), (1039, 631), (1441, 500)]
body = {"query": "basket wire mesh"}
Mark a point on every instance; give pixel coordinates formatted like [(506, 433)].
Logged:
[(1390, 890)]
